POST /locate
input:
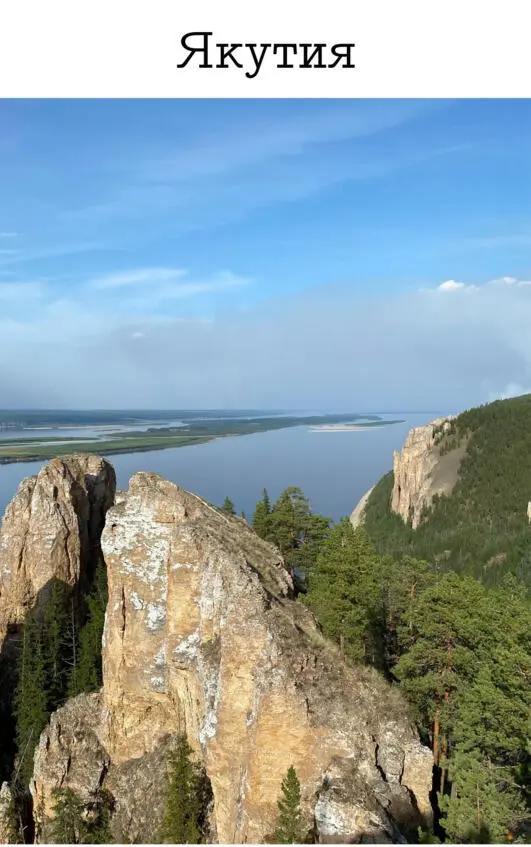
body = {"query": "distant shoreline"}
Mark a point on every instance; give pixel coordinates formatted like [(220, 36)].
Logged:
[(351, 427), (29, 449)]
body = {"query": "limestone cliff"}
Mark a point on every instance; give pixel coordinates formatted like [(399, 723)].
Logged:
[(357, 517), (420, 471), (203, 636), (50, 530)]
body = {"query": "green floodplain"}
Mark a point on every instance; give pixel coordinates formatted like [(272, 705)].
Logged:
[(197, 428)]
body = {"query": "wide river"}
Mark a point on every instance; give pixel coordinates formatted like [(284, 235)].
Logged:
[(334, 469)]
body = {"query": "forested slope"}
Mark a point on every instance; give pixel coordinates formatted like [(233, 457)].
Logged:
[(482, 528)]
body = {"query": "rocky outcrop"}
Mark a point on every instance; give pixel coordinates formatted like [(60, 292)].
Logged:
[(420, 472), (6, 825), (203, 636), (51, 530), (357, 517)]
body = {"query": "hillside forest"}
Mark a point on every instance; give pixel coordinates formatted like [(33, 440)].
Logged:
[(456, 644)]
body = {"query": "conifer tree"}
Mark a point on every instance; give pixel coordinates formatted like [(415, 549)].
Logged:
[(228, 507), (68, 825), (289, 824), (87, 673), (185, 797), (76, 822), (55, 622), (261, 519), (345, 593), (31, 697)]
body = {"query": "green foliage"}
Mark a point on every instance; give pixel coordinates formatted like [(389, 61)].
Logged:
[(54, 625), (261, 518), (481, 528), (87, 672), (76, 822), (228, 507), (486, 807), (289, 825), (187, 798), (291, 525), (31, 697), (345, 593)]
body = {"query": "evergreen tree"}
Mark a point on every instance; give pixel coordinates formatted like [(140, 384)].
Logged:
[(485, 806), (55, 622), (289, 824), (296, 531), (76, 822), (261, 518), (68, 825), (87, 672), (185, 801), (31, 697), (345, 593), (444, 638), (228, 507)]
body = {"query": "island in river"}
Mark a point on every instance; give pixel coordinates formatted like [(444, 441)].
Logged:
[(112, 433)]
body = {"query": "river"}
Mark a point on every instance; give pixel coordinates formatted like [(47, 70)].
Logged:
[(334, 469)]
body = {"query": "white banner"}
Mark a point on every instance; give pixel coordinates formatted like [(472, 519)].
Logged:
[(274, 48)]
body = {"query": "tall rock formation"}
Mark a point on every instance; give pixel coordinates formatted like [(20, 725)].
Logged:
[(51, 530), (203, 636), (420, 472)]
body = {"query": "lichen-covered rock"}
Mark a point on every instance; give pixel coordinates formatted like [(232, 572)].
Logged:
[(50, 530), (416, 468), (203, 636), (6, 828)]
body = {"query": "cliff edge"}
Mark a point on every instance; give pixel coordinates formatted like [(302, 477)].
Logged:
[(203, 636)]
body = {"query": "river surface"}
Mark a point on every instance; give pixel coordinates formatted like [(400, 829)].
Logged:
[(333, 468)]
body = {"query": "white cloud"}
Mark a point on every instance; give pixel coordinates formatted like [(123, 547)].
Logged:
[(159, 284), (324, 348), (450, 285), (137, 276)]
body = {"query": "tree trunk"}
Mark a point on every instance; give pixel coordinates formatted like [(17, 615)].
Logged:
[(436, 729)]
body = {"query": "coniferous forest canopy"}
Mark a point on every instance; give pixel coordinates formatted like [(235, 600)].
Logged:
[(443, 612)]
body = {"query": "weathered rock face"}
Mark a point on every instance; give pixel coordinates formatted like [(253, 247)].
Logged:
[(6, 834), (202, 636), (357, 517), (50, 530), (419, 472)]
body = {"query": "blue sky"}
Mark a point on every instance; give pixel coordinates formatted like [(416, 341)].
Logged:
[(176, 253)]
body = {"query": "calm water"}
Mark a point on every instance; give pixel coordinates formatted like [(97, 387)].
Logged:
[(334, 469)]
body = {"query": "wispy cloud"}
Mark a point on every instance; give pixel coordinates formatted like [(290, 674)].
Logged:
[(138, 276), (54, 251), (159, 284)]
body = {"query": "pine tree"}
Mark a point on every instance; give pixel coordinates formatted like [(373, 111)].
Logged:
[(68, 825), (485, 806), (261, 519), (31, 697), (289, 824), (444, 638), (87, 673), (296, 531), (345, 593), (76, 822), (55, 622), (185, 798), (228, 507)]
